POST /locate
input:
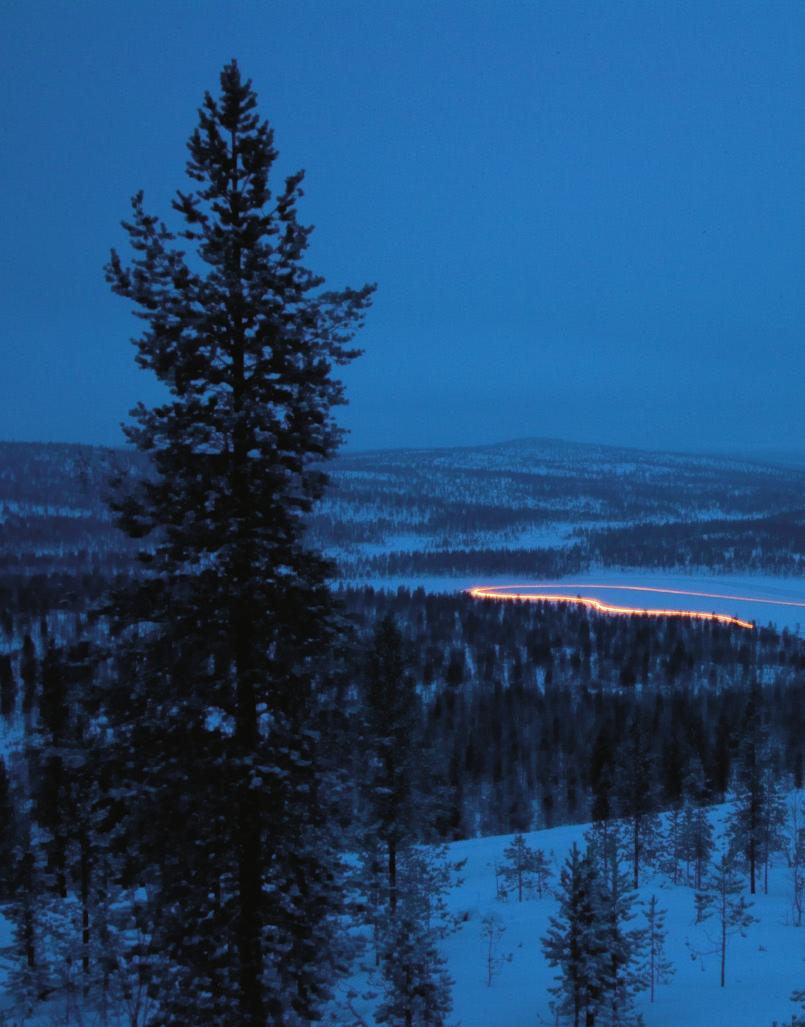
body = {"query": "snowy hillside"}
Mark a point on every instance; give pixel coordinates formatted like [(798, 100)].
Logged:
[(762, 968), (530, 507)]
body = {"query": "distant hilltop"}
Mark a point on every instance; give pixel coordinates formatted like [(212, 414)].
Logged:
[(528, 506)]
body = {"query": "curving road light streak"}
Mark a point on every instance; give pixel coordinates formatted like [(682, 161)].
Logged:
[(504, 592)]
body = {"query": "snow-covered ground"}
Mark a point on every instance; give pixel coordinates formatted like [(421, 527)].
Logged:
[(764, 599), (762, 969)]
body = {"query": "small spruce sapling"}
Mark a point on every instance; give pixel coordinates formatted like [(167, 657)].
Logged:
[(590, 943), (416, 987), (656, 967), (573, 944), (623, 945), (492, 931), (722, 899), (524, 868)]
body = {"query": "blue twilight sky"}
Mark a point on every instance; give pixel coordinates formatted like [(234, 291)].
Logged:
[(587, 220)]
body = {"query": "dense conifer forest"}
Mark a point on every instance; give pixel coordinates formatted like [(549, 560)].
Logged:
[(497, 718)]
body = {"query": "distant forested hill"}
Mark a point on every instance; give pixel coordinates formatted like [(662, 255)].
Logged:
[(531, 506)]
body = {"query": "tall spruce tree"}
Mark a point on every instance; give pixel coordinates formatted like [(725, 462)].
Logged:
[(635, 796), (755, 814), (623, 945), (221, 798), (394, 753)]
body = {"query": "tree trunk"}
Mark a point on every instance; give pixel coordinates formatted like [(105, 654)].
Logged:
[(85, 919), (249, 848), (723, 947), (752, 861), (250, 861), (392, 868), (248, 928)]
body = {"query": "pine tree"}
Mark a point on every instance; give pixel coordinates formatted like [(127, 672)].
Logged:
[(772, 822), (524, 868), (64, 796), (575, 942), (754, 823), (27, 972), (219, 696), (392, 805), (622, 944), (634, 796), (492, 931), (720, 765), (656, 967), (696, 831), (61, 902), (542, 872), (672, 848), (600, 773), (416, 987), (722, 898)]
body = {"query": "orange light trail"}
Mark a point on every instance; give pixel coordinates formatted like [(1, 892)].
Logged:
[(504, 592)]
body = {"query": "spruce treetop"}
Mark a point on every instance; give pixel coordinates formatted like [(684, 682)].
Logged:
[(240, 331)]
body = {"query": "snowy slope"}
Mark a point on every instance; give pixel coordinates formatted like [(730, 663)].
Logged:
[(762, 969)]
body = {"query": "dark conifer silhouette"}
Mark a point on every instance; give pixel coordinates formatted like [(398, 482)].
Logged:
[(392, 804), (216, 708)]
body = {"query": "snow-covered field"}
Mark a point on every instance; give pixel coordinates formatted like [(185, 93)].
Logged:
[(762, 969)]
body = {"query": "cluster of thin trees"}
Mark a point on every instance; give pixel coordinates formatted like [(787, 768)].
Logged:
[(603, 959)]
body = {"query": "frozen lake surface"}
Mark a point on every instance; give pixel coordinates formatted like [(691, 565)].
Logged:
[(762, 599)]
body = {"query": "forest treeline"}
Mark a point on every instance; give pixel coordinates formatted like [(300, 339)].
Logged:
[(768, 545), (446, 718), (519, 704), (457, 519), (526, 705)]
